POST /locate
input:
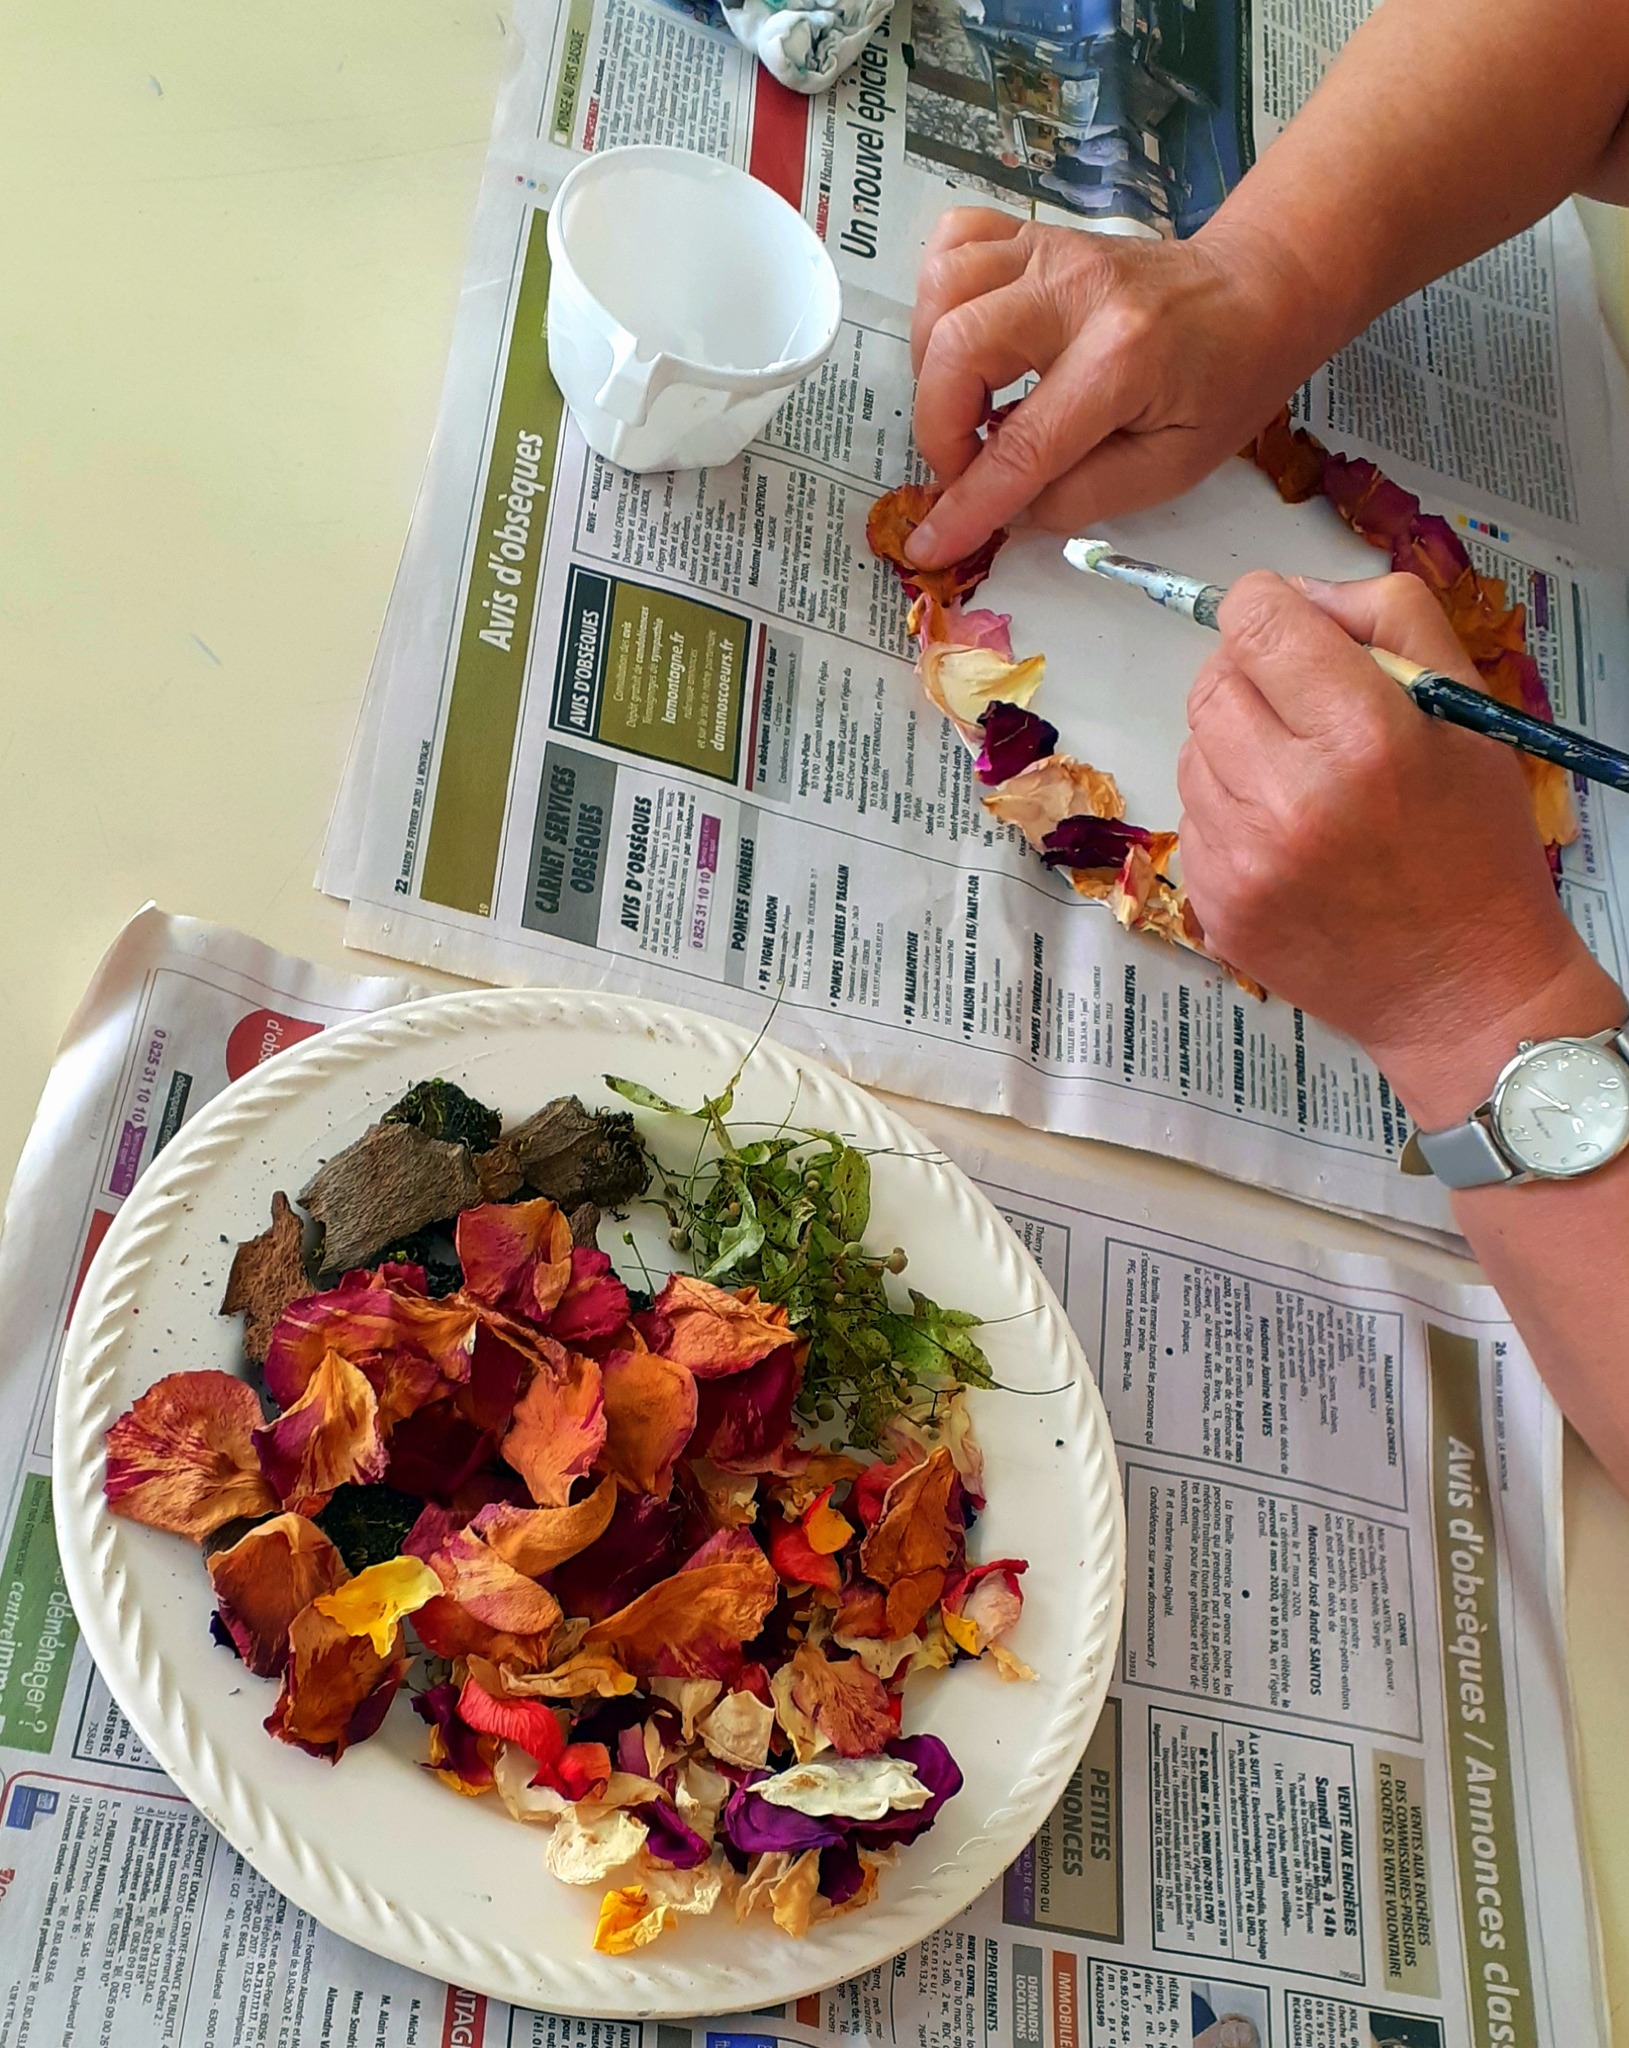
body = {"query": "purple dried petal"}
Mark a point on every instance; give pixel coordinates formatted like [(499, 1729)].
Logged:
[(671, 1840), (439, 1708), (752, 1825), (841, 1872), (1088, 842), (631, 1755), (1013, 738)]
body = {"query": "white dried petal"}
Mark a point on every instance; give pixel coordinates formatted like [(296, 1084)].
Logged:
[(849, 1788), (692, 1697), (806, 1739), (738, 1729), (882, 1656), (588, 1842)]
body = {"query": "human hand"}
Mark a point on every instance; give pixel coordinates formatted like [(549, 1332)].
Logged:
[(1157, 361), (1373, 866)]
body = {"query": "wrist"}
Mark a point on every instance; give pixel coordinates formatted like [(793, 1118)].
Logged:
[(1444, 1073), (1294, 320)]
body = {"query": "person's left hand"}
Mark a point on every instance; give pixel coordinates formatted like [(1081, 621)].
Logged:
[(1373, 866)]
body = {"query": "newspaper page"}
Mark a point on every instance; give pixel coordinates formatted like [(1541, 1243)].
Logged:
[(660, 732), (1328, 1805)]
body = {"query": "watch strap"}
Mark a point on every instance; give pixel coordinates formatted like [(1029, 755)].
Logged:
[(1465, 1155)]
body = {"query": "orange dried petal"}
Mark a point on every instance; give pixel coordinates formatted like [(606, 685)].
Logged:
[(182, 1457), (558, 1428), (329, 1437), (713, 1331)]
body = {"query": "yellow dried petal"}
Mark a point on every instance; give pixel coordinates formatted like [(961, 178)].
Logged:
[(377, 1599)]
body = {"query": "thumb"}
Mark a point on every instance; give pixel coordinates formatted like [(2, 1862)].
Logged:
[(1397, 613)]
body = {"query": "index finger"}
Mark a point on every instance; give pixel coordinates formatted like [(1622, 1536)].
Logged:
[(1312, 674), (1079, 400)]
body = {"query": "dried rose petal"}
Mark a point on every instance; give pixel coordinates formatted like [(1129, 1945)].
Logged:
[(182, 1457), (965, 681), (535, 1540), (595, 1303), (377, 1600), (650, 1415), (435, 1452), (936, 1768), (641, 1546), (1039, 798), (936, 624), (915, 1541), (693, 1624), (983, 1604), (458, 1755), (406, 1344), (516, 1256), (330, 1437), (744, 1423), (892, 520), (532, 1724), (559, 1424), (671, 1840), (846, 1702), (1090, 842), (751, 1825), (265, 1579), (1013, 738), (337, 1688), (488, 1608), (714, 1332)]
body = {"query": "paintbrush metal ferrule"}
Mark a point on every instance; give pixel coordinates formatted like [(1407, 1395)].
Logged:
[(1187, 596)]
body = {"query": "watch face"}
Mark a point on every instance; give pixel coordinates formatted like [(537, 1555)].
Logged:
[(1563, 1108)]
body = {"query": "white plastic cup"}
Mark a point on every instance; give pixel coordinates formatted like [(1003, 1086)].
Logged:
[(686, 302)]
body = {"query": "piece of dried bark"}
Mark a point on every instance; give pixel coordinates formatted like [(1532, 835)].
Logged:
[(585, 1225), (268, 1272), (573, 1155), (391, 1182), (500, 1172)]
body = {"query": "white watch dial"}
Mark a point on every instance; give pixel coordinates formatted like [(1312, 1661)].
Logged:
[(1564, 1108)]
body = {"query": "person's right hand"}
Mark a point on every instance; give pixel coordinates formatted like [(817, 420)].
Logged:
[(1157, 361)]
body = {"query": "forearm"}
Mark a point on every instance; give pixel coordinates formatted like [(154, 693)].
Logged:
[(1558, 1253), (1444, 127)]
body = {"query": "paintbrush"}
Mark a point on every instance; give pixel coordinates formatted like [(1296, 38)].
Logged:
[(1444, 697)]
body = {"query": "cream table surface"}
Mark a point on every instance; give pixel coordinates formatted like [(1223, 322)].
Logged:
[(230, 244)]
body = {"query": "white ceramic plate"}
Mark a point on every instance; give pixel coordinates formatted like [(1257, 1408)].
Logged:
[(374, 1846)]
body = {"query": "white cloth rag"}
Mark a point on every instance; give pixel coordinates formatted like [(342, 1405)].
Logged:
[(807, 44)]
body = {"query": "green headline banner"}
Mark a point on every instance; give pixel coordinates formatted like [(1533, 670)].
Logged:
[(472, 785), (1493, 1917), (37, 1626)]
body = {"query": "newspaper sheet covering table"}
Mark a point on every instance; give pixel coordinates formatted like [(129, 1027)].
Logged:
[(659, 733), (1329, 1804)]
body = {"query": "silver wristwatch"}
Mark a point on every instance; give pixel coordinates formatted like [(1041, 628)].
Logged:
[(1559, 1109)]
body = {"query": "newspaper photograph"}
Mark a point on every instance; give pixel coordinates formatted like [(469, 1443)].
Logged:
[(661, 733), (1329, 1803)]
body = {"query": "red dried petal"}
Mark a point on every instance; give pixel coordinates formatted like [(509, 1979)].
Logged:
[(744, 1423), (595, 1303), (531, 1724), (182, 1457), (516, 1256)]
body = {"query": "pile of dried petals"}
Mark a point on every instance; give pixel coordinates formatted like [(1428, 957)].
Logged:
[(1074, 815), (652, 1618)]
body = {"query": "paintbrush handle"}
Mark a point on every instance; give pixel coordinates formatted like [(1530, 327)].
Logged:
[(1458, 704)]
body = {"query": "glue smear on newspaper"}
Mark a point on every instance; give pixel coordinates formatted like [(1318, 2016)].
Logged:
[(661, 733), (1329, 1804)]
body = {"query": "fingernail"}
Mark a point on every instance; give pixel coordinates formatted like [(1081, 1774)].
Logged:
[(921, 547), (1311, 586)]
